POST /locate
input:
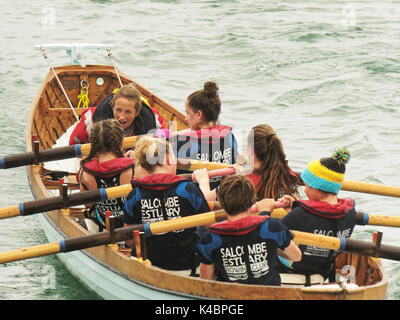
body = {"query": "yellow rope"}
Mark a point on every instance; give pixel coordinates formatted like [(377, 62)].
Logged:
[(83, 98)]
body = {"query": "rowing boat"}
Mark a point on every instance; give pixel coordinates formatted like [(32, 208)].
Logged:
[(108, 269)]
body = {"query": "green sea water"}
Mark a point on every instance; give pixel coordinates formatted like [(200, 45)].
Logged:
[(322, 73)]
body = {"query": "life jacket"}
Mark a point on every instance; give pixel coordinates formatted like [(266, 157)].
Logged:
[(245, 251), (80, 134), (147, 120), (255, 179), (107, 174), (214, 144), (320, 217), (162, 197)]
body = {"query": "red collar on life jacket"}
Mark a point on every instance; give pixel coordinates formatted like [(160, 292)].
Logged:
[(210, 135), (159, 181), (107, 168), (238, 227), (255, 179), (325, 209)]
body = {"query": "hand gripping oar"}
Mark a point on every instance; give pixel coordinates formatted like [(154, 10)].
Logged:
[(212, 173), (79, 150), (69, 200), (347, 185), (123, 234), (366, 187)]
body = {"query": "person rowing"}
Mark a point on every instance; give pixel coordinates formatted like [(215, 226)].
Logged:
[(205, 140), (104, 167), (269, 170), (323, 213), (244, 247), (159, 195)]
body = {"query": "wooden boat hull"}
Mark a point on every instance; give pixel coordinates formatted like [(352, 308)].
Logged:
[(112, 273)]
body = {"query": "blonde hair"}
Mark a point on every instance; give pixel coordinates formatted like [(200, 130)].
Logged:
[(151, 152)]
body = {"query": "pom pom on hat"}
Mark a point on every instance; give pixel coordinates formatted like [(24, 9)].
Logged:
[(341, 155), (327, 174)]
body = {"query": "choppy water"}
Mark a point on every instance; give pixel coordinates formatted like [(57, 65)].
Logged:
[(322, 73)]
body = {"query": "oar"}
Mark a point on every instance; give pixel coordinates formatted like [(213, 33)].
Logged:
[(64, 201), (79, 150), (371, 188), (69, 200), (58, 153), (211, 173), (123, 234), (347, 185), (362, 218), (366, 187), (191, 165)]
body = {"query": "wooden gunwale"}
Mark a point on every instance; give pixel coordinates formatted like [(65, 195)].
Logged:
[(156, 277)]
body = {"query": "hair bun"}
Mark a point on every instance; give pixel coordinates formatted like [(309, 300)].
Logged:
[(210, 89), (341, 155)]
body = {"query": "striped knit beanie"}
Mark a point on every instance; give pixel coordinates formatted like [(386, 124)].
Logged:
[(327, 174)]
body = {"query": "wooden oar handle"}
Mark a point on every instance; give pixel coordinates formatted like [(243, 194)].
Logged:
[(122, 234)]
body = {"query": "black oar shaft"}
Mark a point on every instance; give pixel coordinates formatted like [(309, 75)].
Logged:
[(370, 249), (48, 204), (28, 158), (98, 239), (122, 234)]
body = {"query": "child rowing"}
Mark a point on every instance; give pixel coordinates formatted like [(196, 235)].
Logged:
[(243, 248), (206, 140), (270, 173), (158, 195), (104, 167), (323, 213)]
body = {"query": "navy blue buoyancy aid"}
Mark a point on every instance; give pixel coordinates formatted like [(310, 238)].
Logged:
[(107, 174), (319, 217), (213, 144), (245, 251), (161, 197)]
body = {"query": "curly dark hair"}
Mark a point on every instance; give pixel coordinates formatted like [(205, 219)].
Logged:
[(105, 136)]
